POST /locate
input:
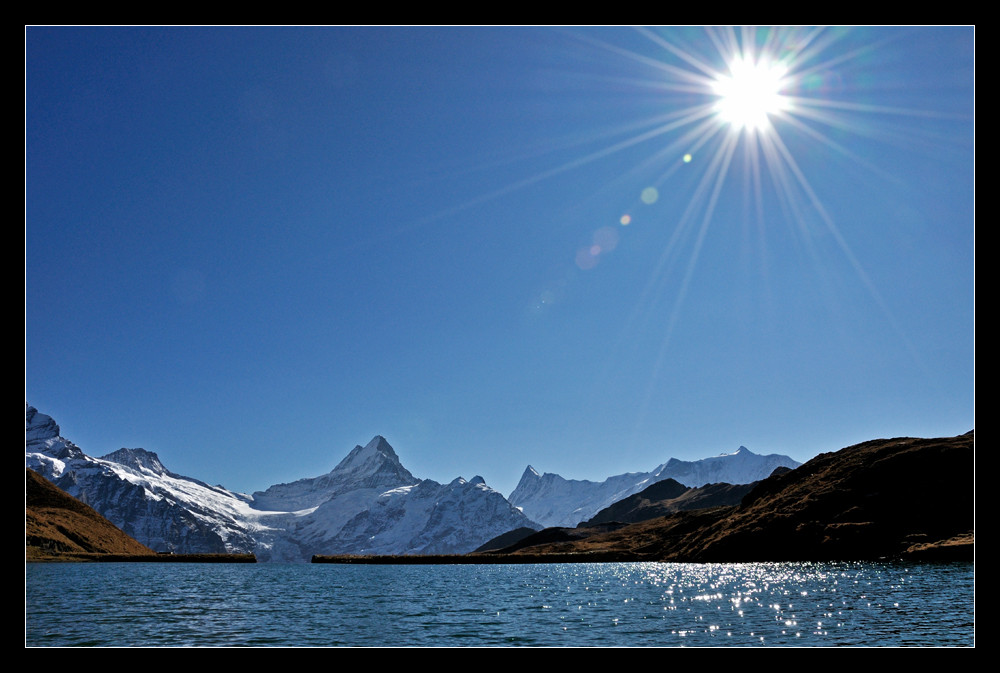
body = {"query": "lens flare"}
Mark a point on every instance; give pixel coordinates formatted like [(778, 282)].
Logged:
[(751, 93)]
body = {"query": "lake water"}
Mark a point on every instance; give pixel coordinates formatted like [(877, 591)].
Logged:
[(615, 604)]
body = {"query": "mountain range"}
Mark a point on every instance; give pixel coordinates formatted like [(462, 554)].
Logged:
[(368, 504), (552, 500), (888, 498), (656, 500)]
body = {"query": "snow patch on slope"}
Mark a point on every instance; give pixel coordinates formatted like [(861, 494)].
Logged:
[(369, 503), (552, 500)]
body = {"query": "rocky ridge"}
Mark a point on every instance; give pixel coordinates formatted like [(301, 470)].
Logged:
[(552, 500)]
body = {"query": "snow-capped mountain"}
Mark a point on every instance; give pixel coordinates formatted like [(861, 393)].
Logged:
[(367, 470), (552, 500), (421, 518), (131, 488), (743, 466), (369, 503)]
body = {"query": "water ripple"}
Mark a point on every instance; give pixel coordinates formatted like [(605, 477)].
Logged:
[(626, 604)]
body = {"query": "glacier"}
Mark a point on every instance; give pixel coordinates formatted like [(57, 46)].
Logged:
[(368, 504)]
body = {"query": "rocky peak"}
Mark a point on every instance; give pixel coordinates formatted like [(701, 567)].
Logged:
[(373, 465), (530, 475), (371, 454), (138, 459), (41, 435), (38, 427)]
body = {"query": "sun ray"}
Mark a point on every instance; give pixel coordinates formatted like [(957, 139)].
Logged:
[(708, 71), (845, 247), (779, 73), (684, 74), (722, 159)]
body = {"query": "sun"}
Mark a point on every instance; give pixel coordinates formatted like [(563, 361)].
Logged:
[(751, 93)]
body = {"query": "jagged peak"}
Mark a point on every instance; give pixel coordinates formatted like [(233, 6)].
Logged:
[(41, 434), (37, 425), (374, 464), (477, 480), (529, 480), (138, 459), (377, 450), (379, 444)]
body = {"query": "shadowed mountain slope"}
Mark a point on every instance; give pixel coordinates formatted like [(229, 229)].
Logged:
[(879, 499), (667, 497)]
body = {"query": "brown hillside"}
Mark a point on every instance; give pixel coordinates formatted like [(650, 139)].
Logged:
[(667, 497), (880, 499), (56, 526)]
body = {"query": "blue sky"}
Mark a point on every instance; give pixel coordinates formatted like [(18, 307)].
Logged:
[(249, 249)]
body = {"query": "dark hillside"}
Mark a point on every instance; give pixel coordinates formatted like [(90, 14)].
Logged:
[(667, 497), (885, 498)]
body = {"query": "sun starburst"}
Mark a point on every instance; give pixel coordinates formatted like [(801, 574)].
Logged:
[(751, 93)]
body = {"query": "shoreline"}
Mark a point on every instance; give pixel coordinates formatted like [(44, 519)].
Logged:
[(83, 557), (476, 559)]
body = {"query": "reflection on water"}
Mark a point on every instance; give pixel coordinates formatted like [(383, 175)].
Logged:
[(621, 604)]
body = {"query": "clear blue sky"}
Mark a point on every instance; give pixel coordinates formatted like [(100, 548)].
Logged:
[(249, 249)]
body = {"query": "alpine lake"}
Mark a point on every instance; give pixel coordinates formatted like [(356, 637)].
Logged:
[(543, 605)]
